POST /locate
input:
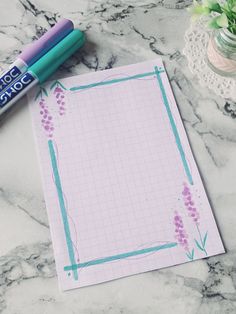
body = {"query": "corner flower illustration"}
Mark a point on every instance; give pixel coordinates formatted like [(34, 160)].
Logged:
[(194, 214), (46, 118), (181, 235), (59, 93)]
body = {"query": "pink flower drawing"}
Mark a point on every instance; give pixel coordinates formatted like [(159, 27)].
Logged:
[(189, 205), (194, 214), (59, 93), (46, 117), (181, 235)]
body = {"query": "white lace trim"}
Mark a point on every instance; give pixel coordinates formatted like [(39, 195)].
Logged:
[(196, 40)]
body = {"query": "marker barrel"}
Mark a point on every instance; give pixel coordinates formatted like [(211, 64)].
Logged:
[(41, 46), (42, 69), (35, 51), (17, 90)]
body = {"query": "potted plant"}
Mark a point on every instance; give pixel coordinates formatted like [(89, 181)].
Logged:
[(221, 50)]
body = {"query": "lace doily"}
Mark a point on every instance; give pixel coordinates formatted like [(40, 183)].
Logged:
[(196, 40)]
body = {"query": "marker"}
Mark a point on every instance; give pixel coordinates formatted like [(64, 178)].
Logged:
[(35, 51), (42, 69)]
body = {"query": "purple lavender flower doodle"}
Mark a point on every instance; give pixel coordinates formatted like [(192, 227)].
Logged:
[(195, 215), (46, 118), (59, 93), (181, 235), (189, 204)]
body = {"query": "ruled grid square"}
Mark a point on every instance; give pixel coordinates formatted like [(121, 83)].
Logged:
[(121, 175)]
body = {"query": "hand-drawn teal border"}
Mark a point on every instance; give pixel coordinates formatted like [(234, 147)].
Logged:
[(62, 206), (113, 81), (173, 126), (157, 72), (121, 256), (74, 266)]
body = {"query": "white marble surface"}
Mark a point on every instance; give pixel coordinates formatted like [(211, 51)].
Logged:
[(119, 33)]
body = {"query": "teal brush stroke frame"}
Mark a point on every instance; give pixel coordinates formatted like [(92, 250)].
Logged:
[(62, 206), (74, 266), (121, 256), (157, 71), (173, 126), (118, 80)]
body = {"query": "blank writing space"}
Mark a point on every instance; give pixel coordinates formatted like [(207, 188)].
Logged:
[(119, 160)]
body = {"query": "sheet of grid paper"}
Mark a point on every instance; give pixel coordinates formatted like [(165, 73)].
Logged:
[(122, 189)]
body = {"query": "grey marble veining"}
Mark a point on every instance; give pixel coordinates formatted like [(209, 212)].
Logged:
[(118, 33)]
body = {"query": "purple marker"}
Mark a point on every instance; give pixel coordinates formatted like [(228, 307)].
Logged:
[(35, 51)]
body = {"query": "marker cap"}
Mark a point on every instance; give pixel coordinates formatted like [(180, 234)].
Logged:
[(41, 46), (49, 63)]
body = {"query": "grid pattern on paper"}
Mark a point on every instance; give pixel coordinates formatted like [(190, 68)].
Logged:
[(121, 174), (122, 161)]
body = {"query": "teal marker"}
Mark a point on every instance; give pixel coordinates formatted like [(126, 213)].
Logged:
[(40, 71)]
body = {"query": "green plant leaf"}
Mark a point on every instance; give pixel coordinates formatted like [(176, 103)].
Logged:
[(222, 20), (216, 8), (44, 91), (213, 5), (234, 8), (198, 245), (190, 255), (53, 85), (62, 86), (198, 9), (230, 4), (213, 23), (204, 239), (37, 95)]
